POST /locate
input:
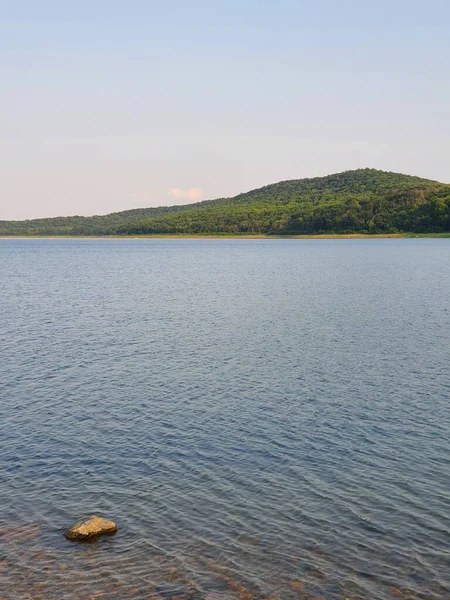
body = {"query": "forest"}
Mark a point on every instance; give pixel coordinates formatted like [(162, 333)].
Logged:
[(359, 201)]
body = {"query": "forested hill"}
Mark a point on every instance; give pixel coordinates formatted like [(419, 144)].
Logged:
[(360, 201)]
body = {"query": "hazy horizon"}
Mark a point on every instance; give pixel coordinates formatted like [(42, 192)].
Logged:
[(109, 107)]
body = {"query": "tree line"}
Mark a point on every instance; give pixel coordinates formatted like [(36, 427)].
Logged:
[(361, 201)]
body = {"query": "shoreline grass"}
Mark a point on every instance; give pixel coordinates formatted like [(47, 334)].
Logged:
[(325, 236)]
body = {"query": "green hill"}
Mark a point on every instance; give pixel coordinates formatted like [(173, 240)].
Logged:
[(360, 201)]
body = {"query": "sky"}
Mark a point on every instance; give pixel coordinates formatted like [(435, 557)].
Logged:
[(108, 105)]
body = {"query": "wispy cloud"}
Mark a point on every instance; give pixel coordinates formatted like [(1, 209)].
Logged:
[(194, 193)]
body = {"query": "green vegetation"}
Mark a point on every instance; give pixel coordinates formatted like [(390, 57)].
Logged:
[(362, 201)]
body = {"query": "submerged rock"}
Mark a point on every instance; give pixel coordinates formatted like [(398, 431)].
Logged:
[(91, 528)]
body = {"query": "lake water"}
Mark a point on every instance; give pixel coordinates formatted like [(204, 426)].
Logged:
[(265, 419)]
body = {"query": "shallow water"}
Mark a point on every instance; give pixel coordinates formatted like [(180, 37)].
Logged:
[(262, 418)]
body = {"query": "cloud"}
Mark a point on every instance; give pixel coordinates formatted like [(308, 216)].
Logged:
[(194, 193)]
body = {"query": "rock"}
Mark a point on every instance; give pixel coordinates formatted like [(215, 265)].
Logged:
[(91, 528)]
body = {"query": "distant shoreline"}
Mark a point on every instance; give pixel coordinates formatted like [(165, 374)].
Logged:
[(366, 199), (331, 236)]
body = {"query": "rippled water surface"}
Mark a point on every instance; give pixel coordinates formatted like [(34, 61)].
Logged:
[(262, 418)]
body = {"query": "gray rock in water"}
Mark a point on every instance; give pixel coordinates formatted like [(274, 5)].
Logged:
[(91, 528)]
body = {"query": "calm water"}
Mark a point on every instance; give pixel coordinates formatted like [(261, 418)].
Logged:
[(262, 419)]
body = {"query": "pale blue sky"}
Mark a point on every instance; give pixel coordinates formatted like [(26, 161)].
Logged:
[(109, 105)]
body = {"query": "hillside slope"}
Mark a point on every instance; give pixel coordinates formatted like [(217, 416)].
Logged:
[(360, 201)]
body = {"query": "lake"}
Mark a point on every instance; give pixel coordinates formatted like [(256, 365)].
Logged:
[(264, 419)]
